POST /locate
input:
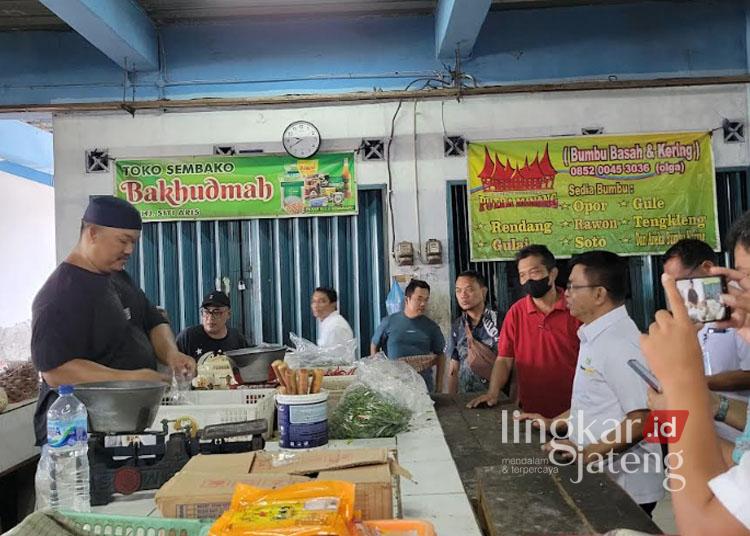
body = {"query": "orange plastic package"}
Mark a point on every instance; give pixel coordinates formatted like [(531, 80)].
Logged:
[(318, 508), (396, 527)]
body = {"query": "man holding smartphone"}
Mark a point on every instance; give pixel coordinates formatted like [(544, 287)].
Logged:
[(726, 355)]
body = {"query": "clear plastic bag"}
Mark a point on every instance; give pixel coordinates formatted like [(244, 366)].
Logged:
[(394, 302), (395, 379), (307, 354), (384, 401)]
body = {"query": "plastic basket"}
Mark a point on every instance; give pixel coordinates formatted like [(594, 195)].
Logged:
[(218, 407), (385, 527), (114, 525)]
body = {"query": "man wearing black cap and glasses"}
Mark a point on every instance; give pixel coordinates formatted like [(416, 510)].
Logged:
[(213, 334), (90, 322)]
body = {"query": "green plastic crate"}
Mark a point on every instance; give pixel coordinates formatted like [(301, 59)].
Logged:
[(114, 525)]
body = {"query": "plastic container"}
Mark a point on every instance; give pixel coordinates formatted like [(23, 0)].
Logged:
[(218, 407), (131, 525), (303, 420), (62, 477)]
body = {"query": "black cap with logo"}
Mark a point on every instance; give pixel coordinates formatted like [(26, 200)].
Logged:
[(216, 298)]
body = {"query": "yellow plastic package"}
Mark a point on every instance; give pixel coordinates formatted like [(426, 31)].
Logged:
[(318, 508)]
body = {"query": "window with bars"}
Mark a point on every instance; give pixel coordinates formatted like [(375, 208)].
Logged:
[(272, 267)]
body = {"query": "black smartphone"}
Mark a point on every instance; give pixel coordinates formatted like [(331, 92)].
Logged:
[(646, 374), (702, 298)]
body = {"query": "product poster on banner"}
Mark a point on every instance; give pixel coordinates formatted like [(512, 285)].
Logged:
[(238, 187), (633, 195)]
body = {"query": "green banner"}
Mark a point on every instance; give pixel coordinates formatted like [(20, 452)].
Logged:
[(633, 195), (237, 187)]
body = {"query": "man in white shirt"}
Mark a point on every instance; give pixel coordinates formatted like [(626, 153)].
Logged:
[(333, 329), (726, 355), (609, 404)]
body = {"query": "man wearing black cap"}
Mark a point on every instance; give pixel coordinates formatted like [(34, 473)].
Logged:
[(89, 321), (213, 334)]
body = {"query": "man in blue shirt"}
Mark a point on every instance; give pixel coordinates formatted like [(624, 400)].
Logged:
[(411, 333)]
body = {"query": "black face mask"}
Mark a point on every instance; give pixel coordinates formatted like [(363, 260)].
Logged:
[(536, 287)]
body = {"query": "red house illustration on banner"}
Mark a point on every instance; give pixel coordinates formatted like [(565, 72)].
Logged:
[(497, 176)]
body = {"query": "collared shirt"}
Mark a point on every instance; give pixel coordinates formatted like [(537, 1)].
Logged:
[(486, 331), (731, 490), (334, 330), (725, 350), (605, 390), (545, 349)]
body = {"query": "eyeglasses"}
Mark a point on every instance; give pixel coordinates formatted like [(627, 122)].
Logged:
[(213, 312), (575, 287)]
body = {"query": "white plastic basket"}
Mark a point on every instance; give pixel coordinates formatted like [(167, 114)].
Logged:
[(218, 407)]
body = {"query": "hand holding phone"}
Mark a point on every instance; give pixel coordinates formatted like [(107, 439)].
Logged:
[(702, 298), (645, 374)]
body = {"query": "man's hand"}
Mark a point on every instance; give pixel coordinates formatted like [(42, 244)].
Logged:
[(656, 401), (671, 346), (181, 363), (738, 299), (486, 398), (537, 419), (148, 375), (564, 454)]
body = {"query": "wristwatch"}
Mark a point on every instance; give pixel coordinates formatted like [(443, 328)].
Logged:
[(721, 413)]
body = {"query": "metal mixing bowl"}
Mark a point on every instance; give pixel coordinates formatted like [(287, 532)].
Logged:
[(120, 406), (254, 364)]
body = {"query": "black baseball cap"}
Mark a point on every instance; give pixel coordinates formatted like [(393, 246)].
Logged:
[(216, 298)]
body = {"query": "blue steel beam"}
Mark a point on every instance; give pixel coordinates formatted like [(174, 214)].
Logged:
[(118, 28), (25, 145), (457, 25)]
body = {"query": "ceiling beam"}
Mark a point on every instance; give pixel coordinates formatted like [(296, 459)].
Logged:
[(25, 145), (120, 29), (457, 25)]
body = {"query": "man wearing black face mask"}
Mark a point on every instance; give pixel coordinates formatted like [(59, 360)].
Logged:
[(539, 337)]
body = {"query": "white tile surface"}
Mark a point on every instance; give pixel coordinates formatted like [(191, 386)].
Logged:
[(437, 496), (450, 513), (431, 478)]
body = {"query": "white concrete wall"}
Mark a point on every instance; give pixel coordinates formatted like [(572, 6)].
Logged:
[(27, 242), (342, 127)]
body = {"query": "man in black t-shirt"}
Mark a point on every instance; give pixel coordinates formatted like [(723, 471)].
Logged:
[(213, 334), (90, 323)]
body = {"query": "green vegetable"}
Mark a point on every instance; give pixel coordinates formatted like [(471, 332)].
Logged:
[(364, 413)]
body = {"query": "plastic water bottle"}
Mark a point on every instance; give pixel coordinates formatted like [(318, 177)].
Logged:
[(63, 473), (742, 443)]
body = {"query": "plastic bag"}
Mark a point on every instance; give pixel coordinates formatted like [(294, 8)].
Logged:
[(307, 354), (306, 509), (385, 399), (395, 379), (394, 302)]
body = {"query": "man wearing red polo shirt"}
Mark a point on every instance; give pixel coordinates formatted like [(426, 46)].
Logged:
[(540, 337)]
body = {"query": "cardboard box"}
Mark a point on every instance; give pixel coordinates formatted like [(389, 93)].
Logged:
[(204, 487), (374, 472)]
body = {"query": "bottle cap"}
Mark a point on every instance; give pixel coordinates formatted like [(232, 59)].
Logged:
[(65, 390)]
